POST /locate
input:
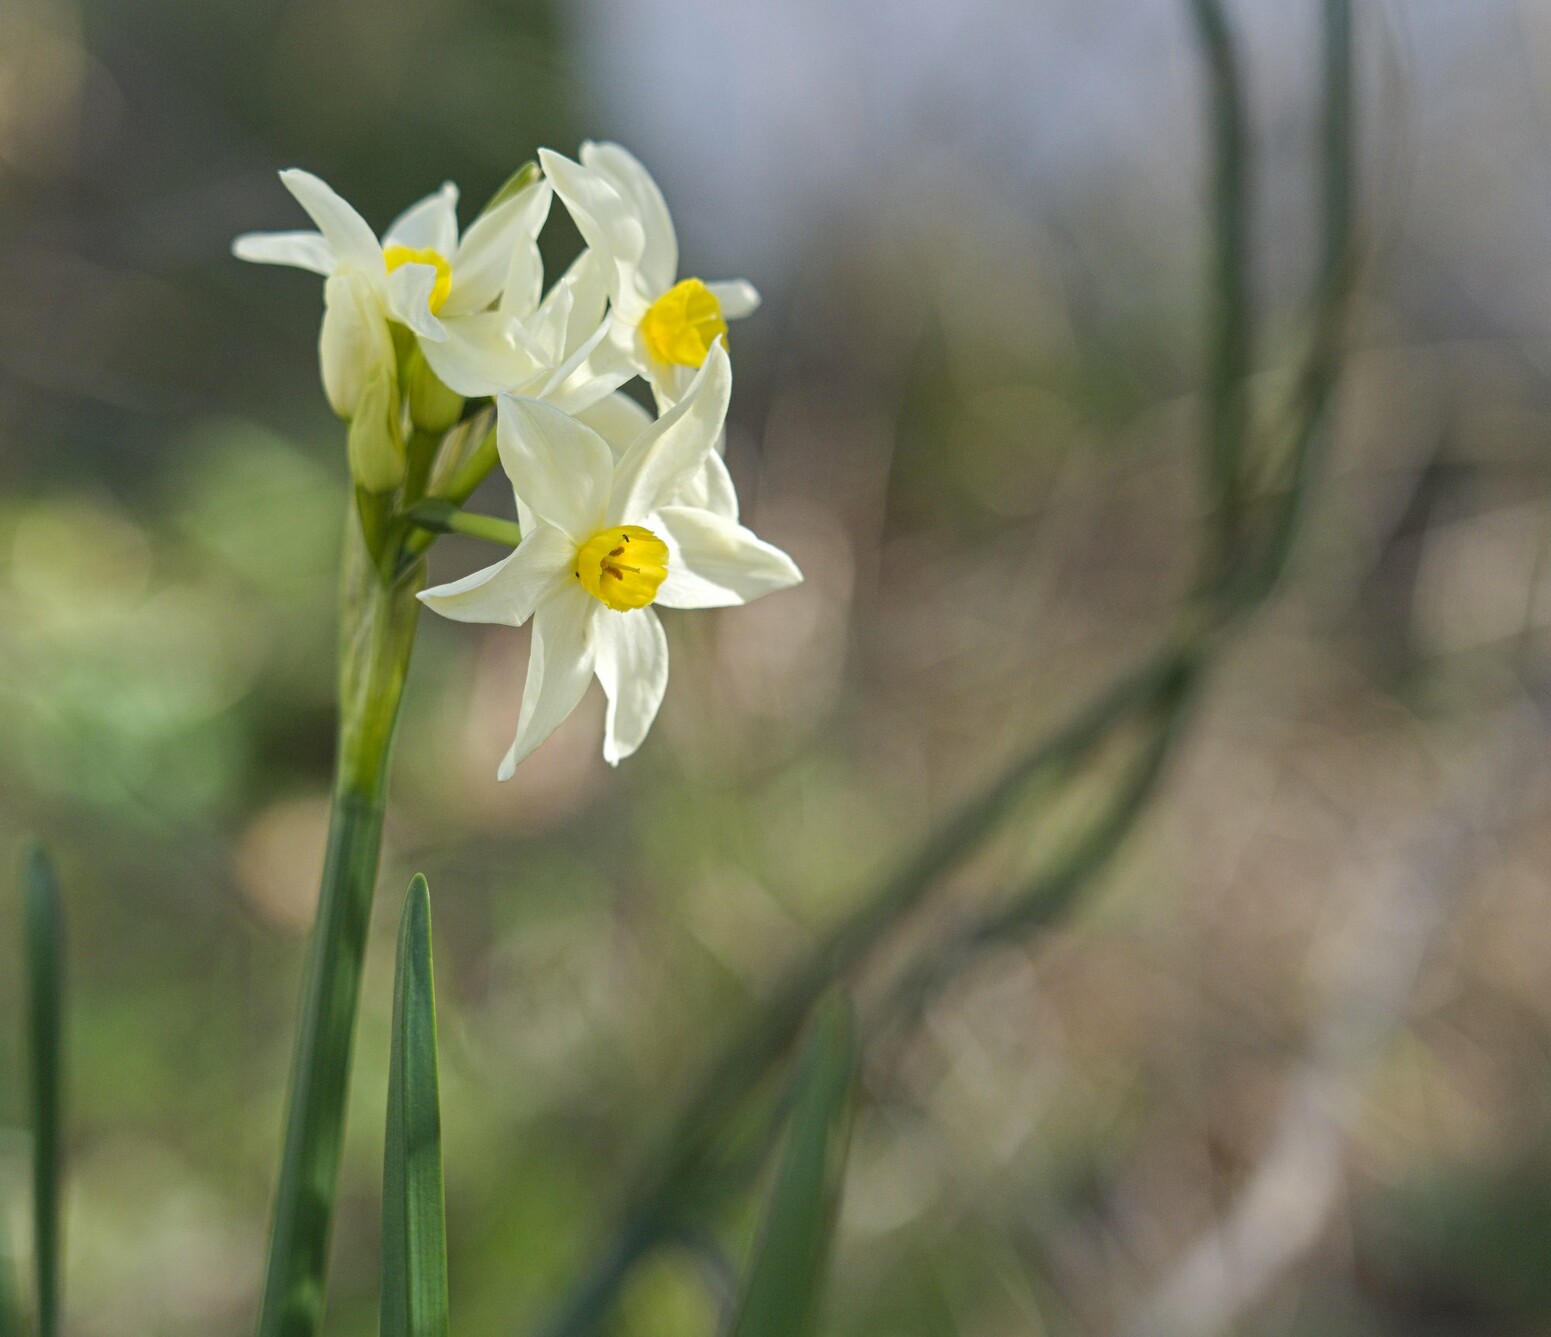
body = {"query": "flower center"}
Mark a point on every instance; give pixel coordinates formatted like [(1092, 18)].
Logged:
[(623, 566), (424, 255), (681, 325)]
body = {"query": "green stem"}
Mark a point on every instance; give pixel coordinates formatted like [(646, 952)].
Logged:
[(458, 489), (419, 455), (377, 634), (441, 517)]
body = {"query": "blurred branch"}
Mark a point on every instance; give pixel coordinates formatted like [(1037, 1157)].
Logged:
[(1249, 573), (745, 1058), (1315, 387), (1232, 334), (1045, 898)]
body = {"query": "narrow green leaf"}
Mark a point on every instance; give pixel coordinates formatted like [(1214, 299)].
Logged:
[(11, 1324), (785, 1279), (44, 916), (516, 183), (414, 1228)]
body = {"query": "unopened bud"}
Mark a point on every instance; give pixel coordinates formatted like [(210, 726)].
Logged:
[(376, 447), (433, 408), (354, 342)]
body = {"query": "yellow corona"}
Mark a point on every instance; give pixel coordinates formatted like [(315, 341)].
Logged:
[(424, 255), (622, 567), (682, 324)]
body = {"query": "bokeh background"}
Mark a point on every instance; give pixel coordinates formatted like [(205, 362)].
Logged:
[(1287, 1070)]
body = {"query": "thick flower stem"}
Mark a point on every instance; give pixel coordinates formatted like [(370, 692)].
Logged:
[(377, 634)]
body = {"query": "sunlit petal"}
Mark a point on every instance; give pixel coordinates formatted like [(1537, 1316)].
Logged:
[(631, 661)]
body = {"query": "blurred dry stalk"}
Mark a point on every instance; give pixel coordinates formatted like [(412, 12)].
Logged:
[(718, 1136)]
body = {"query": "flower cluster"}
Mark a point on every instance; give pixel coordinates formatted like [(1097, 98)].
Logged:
[(619, 510)]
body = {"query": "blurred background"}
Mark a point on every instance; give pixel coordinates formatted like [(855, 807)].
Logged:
[(1287, 1069)]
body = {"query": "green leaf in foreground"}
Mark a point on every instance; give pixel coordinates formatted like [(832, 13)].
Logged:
[(44, 916), (785, 1280), (11, 1324), (414, 1229)]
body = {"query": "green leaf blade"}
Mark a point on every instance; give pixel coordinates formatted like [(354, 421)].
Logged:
[(43, 913), (12, 1323), (414, 1230), (785, 1280)]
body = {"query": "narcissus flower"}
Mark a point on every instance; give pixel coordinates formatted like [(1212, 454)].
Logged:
[(421, 274), (608, 538), (661, 325), (538, 347)]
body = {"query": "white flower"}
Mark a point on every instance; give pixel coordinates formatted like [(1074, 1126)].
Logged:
[(662, 326), (542, 349), (422, 274), (608, 537)]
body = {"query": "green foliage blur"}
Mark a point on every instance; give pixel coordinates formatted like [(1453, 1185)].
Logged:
[(1308, 1009)]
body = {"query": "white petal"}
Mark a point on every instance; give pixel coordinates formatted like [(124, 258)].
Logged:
[(632, 664), (499, 255), (710, 489), (354, 340), (592, 372), (352, 240), (738, 297), (481, 355), (301, 250), (659, 263), (714, 562), (549, 325), (574, 307), (508, 592), (559, 669), (617, 418), (669, 382), (429, 223), (606, 221), (409, 299), (562, 470), (674, 447)]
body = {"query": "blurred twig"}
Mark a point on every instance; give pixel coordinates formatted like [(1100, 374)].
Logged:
[(1231, 337), (1248, 567), (650, 1215), (1047, 896), (1308, 411)]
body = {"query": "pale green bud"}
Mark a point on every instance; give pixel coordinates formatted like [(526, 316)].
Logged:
[(354, 342), (433, 408), (375, 444)]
